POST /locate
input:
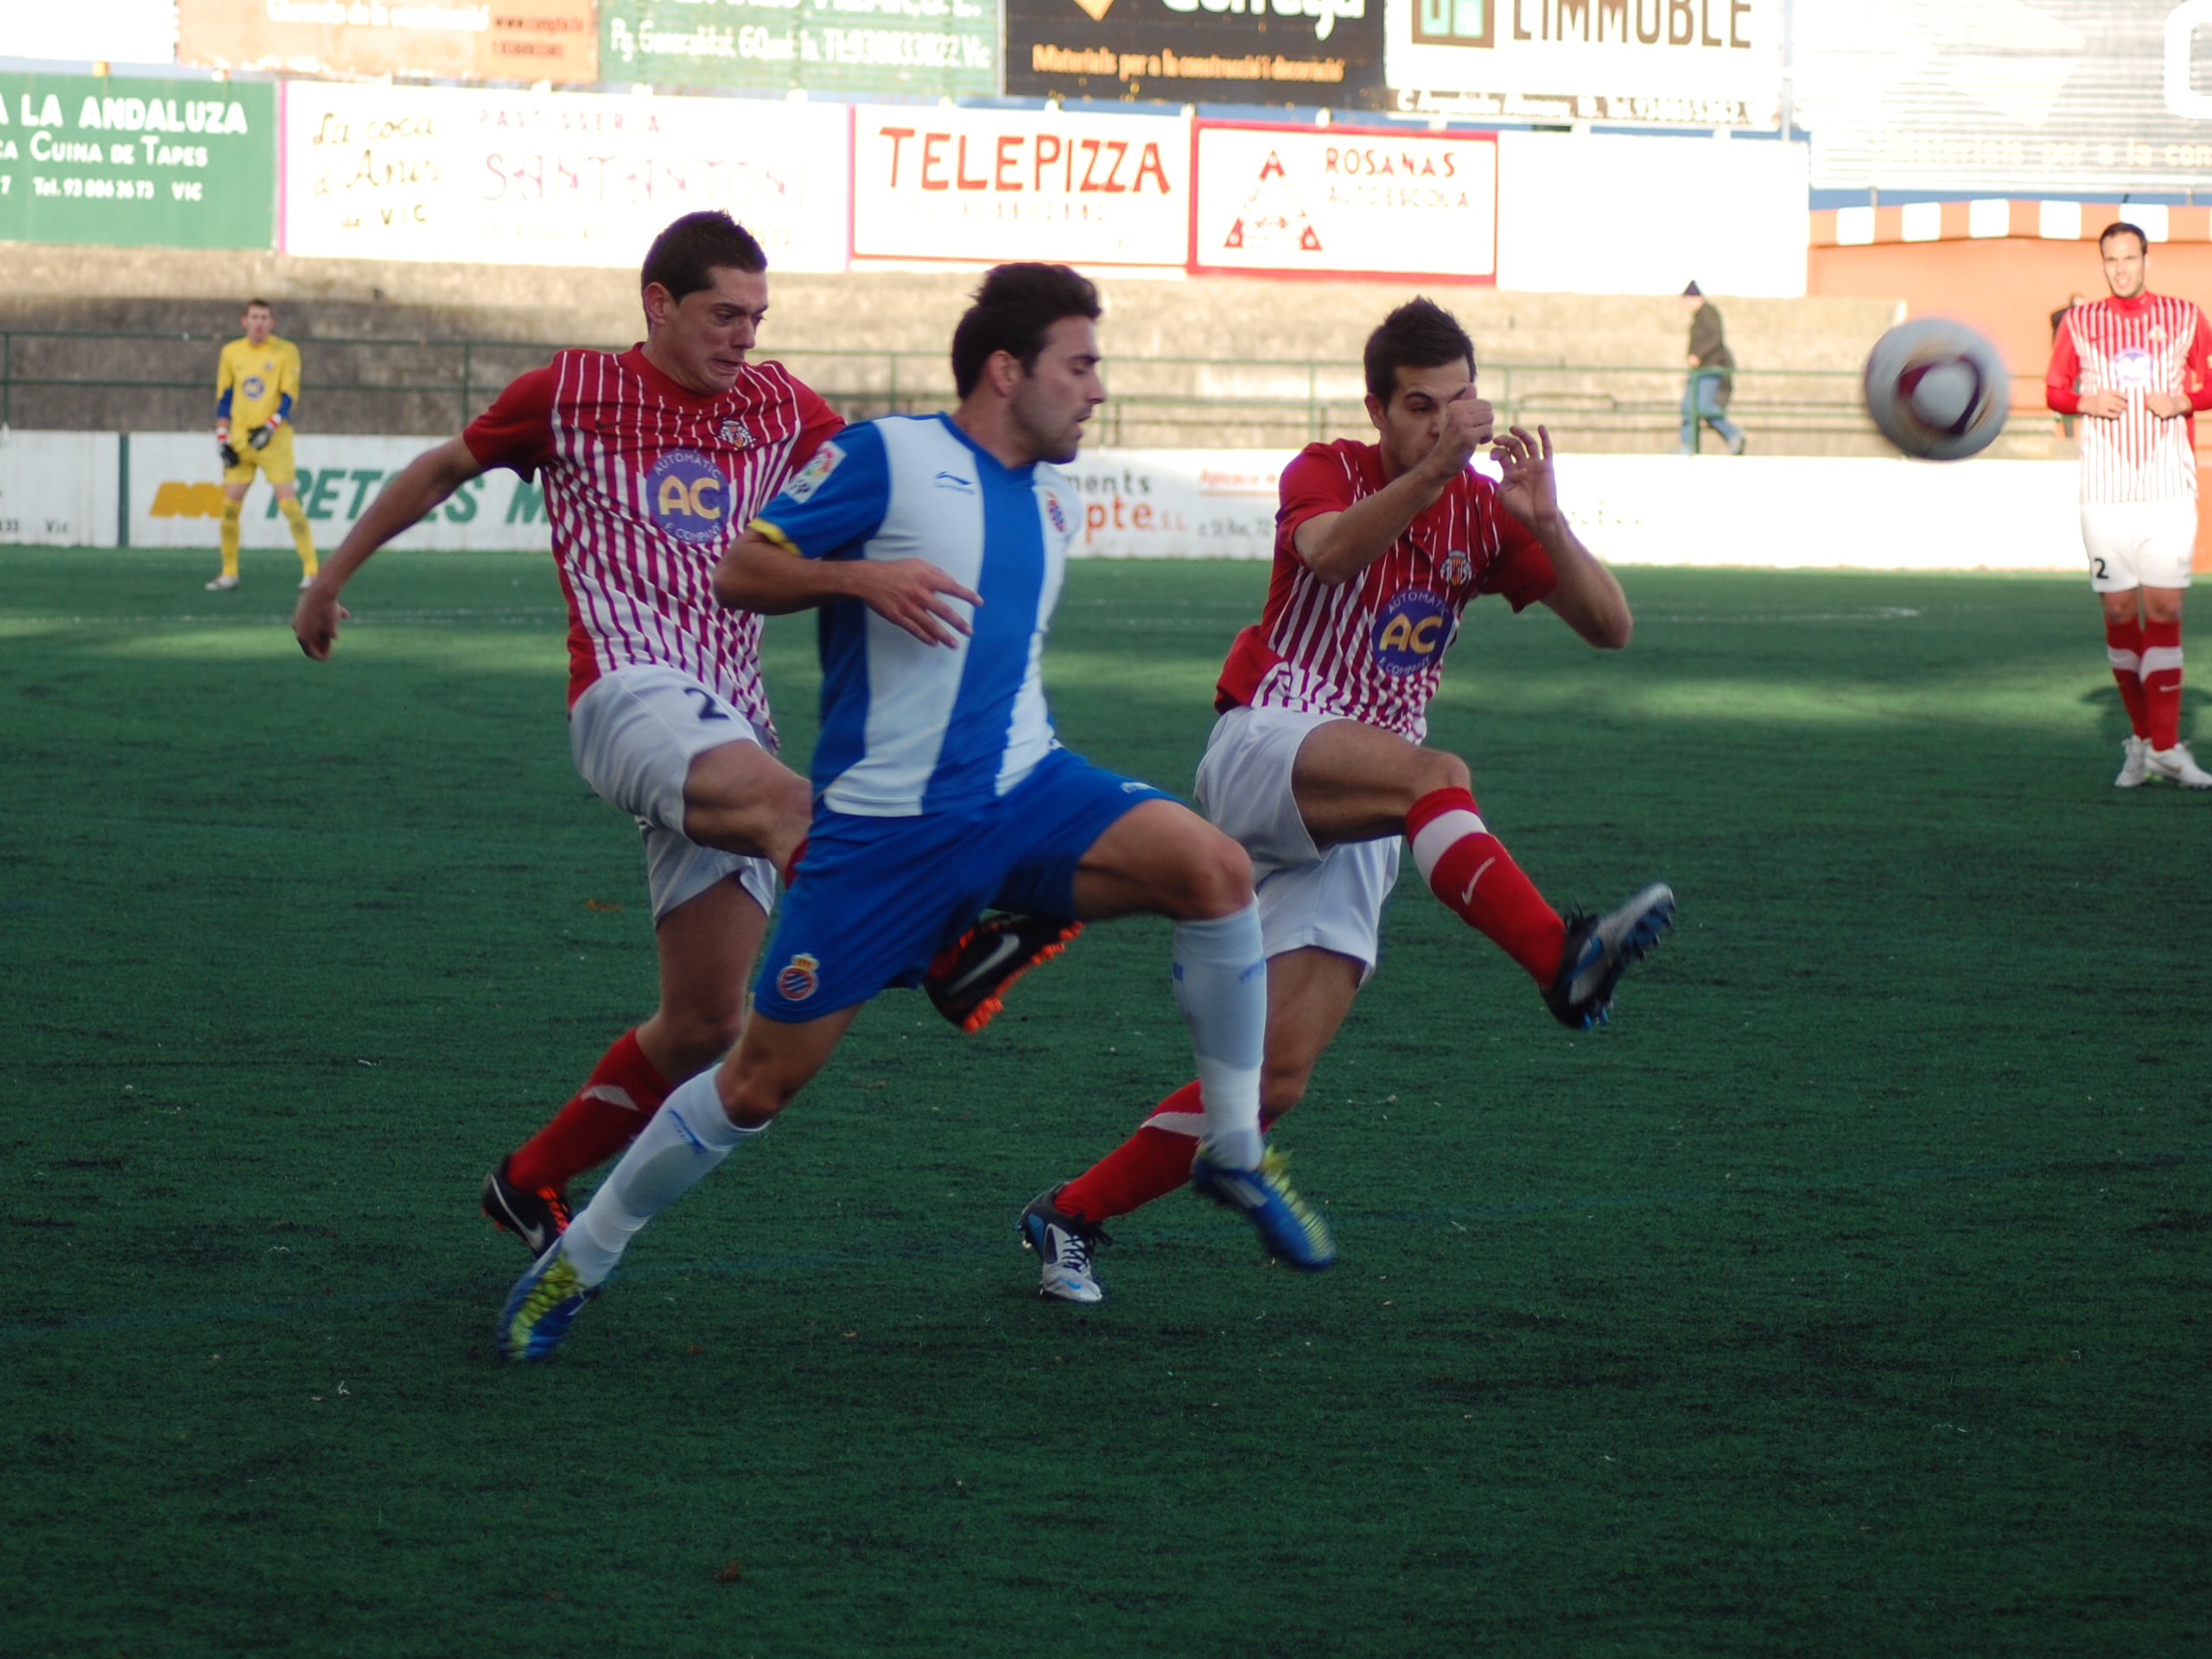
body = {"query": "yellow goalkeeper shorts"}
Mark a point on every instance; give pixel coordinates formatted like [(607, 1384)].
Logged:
[(273, 461)]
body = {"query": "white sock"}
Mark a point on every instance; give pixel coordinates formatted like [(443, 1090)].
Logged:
[(687, 1139), (1221, 985)]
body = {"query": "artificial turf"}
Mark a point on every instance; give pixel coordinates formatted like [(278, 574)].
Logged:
[(1847, 1295)]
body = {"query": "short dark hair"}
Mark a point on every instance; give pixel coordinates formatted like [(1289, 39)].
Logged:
[(1014, 309), (264, 304), (683, 256), (1419, 334), (2121, 227)]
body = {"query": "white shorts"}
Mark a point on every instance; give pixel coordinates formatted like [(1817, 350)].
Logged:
[(1332, 899), (634, 733), (2140, 544)]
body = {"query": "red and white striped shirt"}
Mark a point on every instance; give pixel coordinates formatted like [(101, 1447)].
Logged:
[(1371, 648), (645, 485), (2148, 343)]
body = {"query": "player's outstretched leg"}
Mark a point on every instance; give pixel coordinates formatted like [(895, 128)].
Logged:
[(1576, 960), (1221, 984), (526, 1192), (686, 1141), (968, 982), (1599, 949)]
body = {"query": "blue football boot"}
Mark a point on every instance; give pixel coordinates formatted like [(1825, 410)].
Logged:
[(1599, 950), (1288, 1229), (542, 1306)]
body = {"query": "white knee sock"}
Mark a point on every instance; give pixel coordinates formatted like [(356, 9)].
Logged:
[(687, 1139), (1221, 985)]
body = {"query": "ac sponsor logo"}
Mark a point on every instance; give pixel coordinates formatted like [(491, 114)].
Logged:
[(1412, 630), (688, 497), (2134, 371)]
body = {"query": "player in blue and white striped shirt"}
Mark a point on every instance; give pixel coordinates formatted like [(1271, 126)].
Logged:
[(934, 548)]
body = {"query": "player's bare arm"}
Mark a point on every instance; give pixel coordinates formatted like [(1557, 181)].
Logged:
[(760, 575), (1430, 429), (1587, 599), (415, 490)]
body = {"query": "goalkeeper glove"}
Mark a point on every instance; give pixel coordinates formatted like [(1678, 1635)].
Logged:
[(229, 454), (260, 435)]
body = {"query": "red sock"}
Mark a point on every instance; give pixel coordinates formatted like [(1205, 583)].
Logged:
[(1470, 870), (1150, 1164), (2162, 682), (2124, 649), (621, 1094)]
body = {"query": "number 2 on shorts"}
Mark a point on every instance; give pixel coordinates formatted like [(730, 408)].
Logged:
[(708, 709)]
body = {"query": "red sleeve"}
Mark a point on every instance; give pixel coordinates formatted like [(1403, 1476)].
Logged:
[(516, 431), (2199, 368), (2065, 369), (1316, 481), (1522, 573), (816, 422)]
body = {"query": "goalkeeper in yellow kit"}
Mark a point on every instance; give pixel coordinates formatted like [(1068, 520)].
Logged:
[(257, 383)]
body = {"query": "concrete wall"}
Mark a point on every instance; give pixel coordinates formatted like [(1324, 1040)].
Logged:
[(1235, 321)]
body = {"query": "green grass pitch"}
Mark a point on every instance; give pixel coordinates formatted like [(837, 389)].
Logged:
[(1847, 1296)]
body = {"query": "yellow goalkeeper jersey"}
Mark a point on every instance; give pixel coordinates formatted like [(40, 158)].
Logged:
[(254, 382)]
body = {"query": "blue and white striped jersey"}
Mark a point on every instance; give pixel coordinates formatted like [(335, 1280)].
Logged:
[(907, 727)]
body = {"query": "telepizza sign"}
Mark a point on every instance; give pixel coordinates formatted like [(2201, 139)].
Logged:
[(976, 186)]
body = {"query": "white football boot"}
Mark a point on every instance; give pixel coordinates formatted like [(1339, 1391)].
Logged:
[(222, 584), (2179, 765), (2135, 753)]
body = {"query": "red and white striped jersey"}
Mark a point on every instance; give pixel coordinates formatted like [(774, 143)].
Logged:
[(1372, 648), (646, 484), (2148, 343)]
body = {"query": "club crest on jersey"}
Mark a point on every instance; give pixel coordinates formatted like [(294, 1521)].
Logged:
[(800, 978), (804, 482), (1458, 565), (735, 430), (1413, 629), (253, 385), (688, 497), (1053, 512)]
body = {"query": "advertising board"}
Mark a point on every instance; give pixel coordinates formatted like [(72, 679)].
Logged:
[(1344, 201), (464, 39), (57, 489), (1176, 504), (1684, 63), (554, 179), (1651, 214), (137, 163), (976, 186), (176, 495), (949, 47), (1323, 52), (2084, 97)]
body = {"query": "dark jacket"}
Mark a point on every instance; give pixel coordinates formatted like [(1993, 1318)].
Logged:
[(1710, 348)]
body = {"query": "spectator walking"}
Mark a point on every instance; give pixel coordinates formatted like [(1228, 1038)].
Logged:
[(1705, 395)]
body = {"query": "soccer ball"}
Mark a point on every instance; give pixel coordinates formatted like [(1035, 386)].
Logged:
[(1937, 388)]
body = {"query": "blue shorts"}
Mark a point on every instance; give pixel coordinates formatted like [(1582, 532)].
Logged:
[(876, 898)]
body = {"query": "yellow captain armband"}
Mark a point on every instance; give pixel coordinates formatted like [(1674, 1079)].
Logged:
[(768, 532)]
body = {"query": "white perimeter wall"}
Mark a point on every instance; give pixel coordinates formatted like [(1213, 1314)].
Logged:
[(60, 488)]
